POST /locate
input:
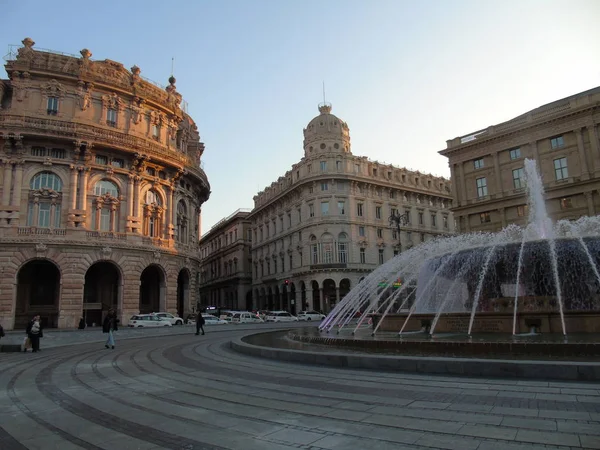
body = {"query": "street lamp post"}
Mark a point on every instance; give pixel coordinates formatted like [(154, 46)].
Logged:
[(399, 220)]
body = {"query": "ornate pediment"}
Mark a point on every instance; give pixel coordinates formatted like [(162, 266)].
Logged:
[(53, 89)]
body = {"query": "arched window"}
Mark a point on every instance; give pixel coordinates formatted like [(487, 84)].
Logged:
[(182, 221), (45, 197), (105, 214), (153, 214), (327, 248), (314, 250)]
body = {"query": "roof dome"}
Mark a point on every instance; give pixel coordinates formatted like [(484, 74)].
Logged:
[(326, 133)]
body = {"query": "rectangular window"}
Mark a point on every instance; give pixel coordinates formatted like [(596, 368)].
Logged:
[(557, 142), (361, 231), (291, 262), (380, 256), (422, 237), (309, 167), (338, 166), (420, 218), (380, 233), (515, 153), (363, 257), (310, 189), (560, 169), (518, 178), (445, 222), (522, 210), (342, 252), (378, 212), (485, 217), (409, 236), (111, 117), (342, 185), (341, 208), (392, 194), (324, 187), (359, 209), (394, 234), (323, 166), (105, 219), (478, 163), (433, 220), (52, 106), (116, 162), (299, 215), (311, 210), (374, 172), (101, 159), (324, 208), (356, 168), (566, 203), (482, 187), (58, 153), (393, 211)]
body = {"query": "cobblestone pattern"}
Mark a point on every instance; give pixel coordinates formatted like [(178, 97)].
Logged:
[(192, 392)]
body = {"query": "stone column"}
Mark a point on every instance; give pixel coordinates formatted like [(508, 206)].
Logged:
[(113, 217), (83, 179), (130, 195), (309, 300), (455, 192), (322, 299), (136, 197), (16, 200), (589, 196), (169, 213), (337, 295), (462, 181), (499, 190), (535, 153), (36, 211), (98, 214), (592, 131), (52, 213), (7, 183), (582, 156), (73, 187)]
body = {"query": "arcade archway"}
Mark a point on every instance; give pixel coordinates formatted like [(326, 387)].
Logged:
[(183, 292), (152, 290), (38, 292), (100, 291)]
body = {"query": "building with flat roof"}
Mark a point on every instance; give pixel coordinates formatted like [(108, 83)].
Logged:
[(487, 165)]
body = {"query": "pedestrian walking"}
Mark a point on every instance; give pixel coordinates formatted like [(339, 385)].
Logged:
[(110, 326), (199, 323), (81, 324), (34, 333)]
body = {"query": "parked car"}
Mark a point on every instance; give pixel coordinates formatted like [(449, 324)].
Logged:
[(175, 320), (147, 320), (212, 320), (246, 317), (310, 315), (280, 316)]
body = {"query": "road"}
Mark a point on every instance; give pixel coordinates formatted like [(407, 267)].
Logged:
[(180, 391)]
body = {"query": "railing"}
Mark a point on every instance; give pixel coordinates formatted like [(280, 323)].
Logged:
[(106, 235), (24, 231)]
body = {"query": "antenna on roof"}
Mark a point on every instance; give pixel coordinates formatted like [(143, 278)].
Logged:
[(324, 101), (172, 66)]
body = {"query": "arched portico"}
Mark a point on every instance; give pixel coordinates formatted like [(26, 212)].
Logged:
[(183, 292), (329, 295), (38, 292), (316, 295), (152, 289), (102, 291)]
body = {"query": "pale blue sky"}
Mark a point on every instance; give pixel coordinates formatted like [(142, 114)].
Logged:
[(406, 76)]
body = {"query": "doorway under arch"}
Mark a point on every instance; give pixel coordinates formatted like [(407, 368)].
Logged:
[(38, 292), (100, 291), (183, 292), (152, 290)]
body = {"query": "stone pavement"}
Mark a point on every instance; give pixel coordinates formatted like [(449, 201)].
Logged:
[(194, 392)]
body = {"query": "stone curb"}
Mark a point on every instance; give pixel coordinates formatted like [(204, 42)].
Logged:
[(545, 370)]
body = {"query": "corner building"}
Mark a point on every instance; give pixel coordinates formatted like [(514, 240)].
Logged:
[(487, 166), (324, 225), (101, 191)]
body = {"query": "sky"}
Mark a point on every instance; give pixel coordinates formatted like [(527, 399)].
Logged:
[(405, 75)]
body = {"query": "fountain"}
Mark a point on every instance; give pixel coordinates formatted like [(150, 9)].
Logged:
[(521, 281)]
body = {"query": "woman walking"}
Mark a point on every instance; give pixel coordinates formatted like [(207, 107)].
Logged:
[(34, 332), (109, 326)]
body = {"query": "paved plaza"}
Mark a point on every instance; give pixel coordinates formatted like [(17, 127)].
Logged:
[(180, 391)]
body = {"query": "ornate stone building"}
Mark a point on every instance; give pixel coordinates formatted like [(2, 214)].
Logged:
[(323, 225), (487, 165), (226, 267), (101, 191)]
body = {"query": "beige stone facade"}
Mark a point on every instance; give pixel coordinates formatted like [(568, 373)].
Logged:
[(226, 266), (101, 190), (324, 224), (487, 165)]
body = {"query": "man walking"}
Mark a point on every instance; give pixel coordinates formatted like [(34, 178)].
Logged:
[(108, 326), (199, 323)]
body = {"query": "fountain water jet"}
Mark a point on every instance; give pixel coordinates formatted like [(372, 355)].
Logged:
[(470, 283)]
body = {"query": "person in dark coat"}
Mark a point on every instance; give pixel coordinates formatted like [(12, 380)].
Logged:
[(109, 326), (81, 323), (199, 323), (34, 332)]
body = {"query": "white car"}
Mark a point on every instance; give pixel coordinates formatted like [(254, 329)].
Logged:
[(147, 320), (310, 315), (212, 320), (280, 316), (175, 320), (246, 317)]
